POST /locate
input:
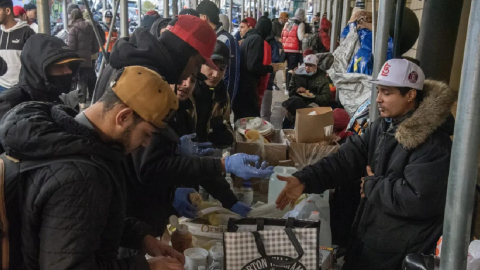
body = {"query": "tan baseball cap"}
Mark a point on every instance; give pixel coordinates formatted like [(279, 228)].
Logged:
[(146, 93)]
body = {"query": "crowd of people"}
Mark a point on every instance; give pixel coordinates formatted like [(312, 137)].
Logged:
[(99, 182)]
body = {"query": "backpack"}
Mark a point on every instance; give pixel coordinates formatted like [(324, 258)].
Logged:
[(11, 172)]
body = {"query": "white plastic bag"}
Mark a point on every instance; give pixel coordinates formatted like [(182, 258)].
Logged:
[(315, 202)]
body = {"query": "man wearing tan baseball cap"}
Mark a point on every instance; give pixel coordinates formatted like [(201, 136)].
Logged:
[(81, 183)]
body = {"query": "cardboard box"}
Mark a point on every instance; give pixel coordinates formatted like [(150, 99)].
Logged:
[(305, 154), (313, 128), (271, 152)]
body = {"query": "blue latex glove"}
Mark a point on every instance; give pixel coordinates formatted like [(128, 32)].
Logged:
[(241, 209), (188, 148), (182, 202), (238, 164)]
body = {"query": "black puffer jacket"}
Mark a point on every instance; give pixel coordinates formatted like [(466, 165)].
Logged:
[(81, 39), (40, 51), (73, 213), (405, 199)]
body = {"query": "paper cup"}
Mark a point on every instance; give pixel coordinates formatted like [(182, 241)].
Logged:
[(195, 257)]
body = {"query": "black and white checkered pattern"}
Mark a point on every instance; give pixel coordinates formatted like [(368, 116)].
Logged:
[(241, 249)]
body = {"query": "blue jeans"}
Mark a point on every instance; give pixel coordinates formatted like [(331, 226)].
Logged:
[(3, 89)]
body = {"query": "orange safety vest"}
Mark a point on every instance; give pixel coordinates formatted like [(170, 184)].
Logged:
[(112, 41)]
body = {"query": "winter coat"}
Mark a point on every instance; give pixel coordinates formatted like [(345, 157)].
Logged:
[(219, 129), (12, 42), (233, 68), (263, 83), (317, 84), (81, 39), (251, 69), (148, 21), (73, 213), (40, 51), (405, 199), (292, 36), (323, 33), (277, 28)]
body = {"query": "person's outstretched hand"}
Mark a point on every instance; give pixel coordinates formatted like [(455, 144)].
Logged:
[(291, 192), (188, 148), (182, 203), (155, 247), (239, 164)]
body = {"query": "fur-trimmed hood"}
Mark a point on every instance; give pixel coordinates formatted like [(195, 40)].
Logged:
[(433, 112)]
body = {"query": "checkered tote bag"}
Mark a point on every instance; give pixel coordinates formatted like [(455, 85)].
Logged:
[(280, 248)]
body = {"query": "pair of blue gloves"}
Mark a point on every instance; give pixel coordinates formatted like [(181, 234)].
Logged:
[(185, 208)]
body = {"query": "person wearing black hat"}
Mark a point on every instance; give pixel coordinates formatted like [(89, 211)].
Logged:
[(189, 11), (210, 13), (212, 101), (31, 11), (105, 25)]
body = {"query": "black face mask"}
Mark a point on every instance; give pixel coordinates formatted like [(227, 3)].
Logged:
[(60, 84)]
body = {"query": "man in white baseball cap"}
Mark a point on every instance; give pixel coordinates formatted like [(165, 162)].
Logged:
[(399, 85), (403, 161)]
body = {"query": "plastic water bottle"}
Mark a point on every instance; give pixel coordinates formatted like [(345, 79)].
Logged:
[(276, 186)]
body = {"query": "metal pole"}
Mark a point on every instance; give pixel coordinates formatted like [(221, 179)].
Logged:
[(139, 16), (243, 10), (166, 7), (346, 13), (254, 9), (398, 27), (385, 12), (230, 14), (65, 15), (335, 28), (105, 6), (374, 27), (95, 29), (464, 159), (43, 10), (323, 8), (329, 10), (123, 18)]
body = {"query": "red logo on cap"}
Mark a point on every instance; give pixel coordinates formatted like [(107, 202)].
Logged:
[(413, 77), (386, 70)]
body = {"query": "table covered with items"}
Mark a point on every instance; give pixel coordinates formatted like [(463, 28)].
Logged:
[(298, 237)]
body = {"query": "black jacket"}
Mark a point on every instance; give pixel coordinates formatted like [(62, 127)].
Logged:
[(317, 84), (143, 49), (405, 199), (40, 51), (160, 171), (251, 69), (73, 213), (217, 128), (277, 29)]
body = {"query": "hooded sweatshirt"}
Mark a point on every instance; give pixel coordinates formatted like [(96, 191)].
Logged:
[(40, 51), (11, 45)]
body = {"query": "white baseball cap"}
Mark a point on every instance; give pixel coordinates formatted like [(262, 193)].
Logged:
[(401, 73), (311, 59)]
